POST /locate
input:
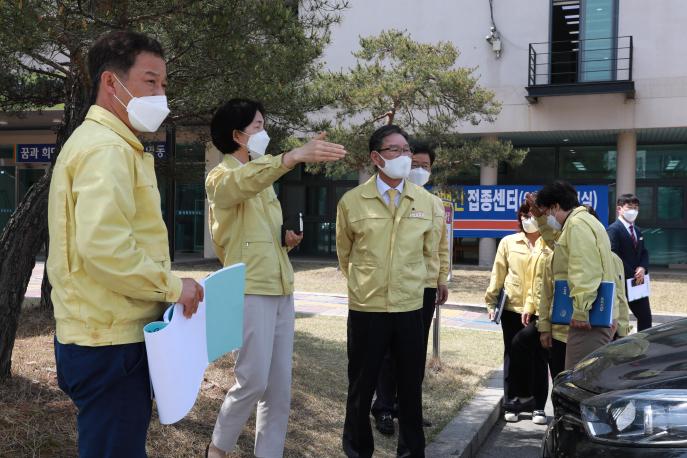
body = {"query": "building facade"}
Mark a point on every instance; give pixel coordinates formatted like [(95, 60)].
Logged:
[(596, 89)]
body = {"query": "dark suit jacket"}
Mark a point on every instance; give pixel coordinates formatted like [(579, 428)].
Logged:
[(621, 244)]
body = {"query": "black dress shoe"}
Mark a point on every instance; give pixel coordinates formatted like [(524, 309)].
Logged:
[(385, 424)]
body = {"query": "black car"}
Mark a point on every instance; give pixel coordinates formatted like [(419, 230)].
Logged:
[(627, 399)]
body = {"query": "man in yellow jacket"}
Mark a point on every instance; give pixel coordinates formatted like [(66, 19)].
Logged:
[(385, 242), (246, 225), (582, 256), (109, 261), (384, 407)]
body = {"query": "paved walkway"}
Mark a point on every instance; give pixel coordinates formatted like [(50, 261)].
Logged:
[(452, 315)]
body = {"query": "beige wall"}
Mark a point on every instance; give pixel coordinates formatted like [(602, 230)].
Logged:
[(660, 72)]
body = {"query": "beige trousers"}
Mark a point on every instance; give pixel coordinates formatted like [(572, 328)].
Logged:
[(263, 377), (582, 342)]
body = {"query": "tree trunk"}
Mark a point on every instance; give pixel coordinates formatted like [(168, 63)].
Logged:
[(27, 229), (46, 287), (21, 240)]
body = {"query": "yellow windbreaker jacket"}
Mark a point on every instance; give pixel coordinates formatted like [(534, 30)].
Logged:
[(246, 219), (109, 259), (437, 270), (510, 271), (554, 271), (385, 257)]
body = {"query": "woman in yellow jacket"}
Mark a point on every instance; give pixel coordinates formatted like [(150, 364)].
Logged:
[(245, 225), (525, 378)]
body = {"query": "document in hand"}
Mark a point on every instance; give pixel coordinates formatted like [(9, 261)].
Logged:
[(601, 314), (500, 305), (180, 349), (635, 292)]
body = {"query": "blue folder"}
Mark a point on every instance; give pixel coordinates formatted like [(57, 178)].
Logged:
[(601, 314)]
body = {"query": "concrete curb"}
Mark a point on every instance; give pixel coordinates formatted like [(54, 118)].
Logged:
[(466, 433)]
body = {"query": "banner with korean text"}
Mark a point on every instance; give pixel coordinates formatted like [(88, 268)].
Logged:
[(490, 211)]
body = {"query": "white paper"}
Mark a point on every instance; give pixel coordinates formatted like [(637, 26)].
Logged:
[(639, 291), (177, 359), (177, 347)]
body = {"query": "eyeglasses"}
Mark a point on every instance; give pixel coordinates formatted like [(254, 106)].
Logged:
[(396, 151)]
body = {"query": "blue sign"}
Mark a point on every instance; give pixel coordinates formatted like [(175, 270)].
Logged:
[(39, 152), (490, 211), (157, 149)]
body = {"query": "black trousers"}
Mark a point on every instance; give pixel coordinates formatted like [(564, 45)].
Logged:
[(529, 365), (370, 336), (511, 324), (386, 400), (642, 311), (557, 357)]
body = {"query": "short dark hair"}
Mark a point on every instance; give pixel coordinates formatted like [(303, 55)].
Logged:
[(424, 147), (378, 136), (592, 212), (523, 211), (559, 192), (117, 52), (236, 114), (627, 199)]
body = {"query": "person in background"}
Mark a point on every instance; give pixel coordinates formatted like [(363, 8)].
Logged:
[(385, 406), (245, 225), (109, 261), (529, 361), (385, 245), (510, 272), (628, 243), (582, 256)]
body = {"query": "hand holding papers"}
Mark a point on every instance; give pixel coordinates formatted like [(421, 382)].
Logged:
[(635, 291), (180, 349)]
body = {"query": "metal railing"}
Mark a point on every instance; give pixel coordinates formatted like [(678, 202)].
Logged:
[(580, 61)]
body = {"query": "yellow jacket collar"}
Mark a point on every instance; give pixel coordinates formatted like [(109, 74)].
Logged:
[(105, 117), (370, 189)]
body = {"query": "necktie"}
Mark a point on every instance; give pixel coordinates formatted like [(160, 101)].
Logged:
[(633, 236), (392, 200)]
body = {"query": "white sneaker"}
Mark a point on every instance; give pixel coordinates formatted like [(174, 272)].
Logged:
[(511, 417), (539, 417)]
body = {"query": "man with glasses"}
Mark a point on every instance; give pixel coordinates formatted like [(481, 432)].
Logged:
[(385, 407), (384, 242)]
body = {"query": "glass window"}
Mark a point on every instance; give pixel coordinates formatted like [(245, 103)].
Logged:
[(670, 203), (189, 211), (7, 194), (665, 246), (539, 166), (319, 239), (664, 161), (647, 212), (316, 201), (597, 47), (587, 162), (6, 151), (27, 178)]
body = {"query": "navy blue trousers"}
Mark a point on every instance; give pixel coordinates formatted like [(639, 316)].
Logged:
[(110, 386)]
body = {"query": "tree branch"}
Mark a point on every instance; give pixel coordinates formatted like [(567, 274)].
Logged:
[(49, 63)]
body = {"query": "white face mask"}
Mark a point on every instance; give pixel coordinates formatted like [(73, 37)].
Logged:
[(257, 144), (630, 215), (530, 225), (419, 176), (398, 168), (145, 113), (553, 222)]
